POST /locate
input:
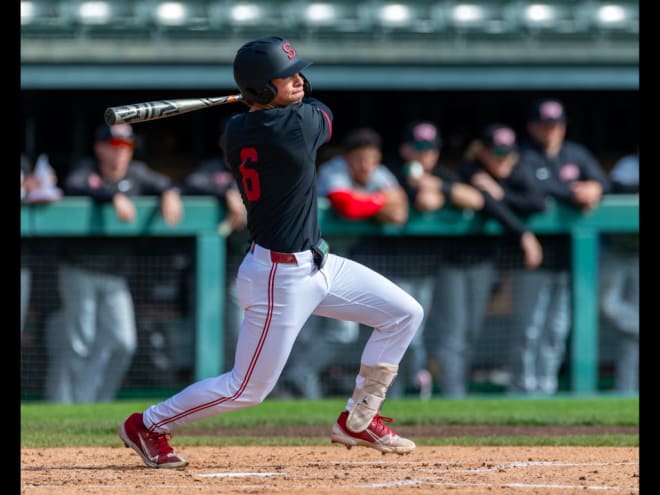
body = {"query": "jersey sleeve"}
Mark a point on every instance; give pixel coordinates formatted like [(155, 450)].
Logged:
[(322, 116)]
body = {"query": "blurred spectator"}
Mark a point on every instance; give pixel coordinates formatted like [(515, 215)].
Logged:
[(429, 186), (213, 177), (509, 190), (620, 283), (568, 172), (92, 338), (38, 185), (359, 187), (469, 274)]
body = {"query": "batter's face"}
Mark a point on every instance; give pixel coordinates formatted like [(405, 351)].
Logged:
[(289, 90)]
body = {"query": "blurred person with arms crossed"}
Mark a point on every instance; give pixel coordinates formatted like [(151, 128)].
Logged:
[(92, 338), (567, 172), (465, 273), (468, 276)]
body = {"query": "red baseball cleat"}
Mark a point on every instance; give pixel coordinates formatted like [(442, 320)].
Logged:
[(377, 436), (153, 447)]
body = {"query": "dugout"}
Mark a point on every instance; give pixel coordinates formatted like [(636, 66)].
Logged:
[(370, 72)]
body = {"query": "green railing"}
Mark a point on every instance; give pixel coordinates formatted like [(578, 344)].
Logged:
[(78, 216)]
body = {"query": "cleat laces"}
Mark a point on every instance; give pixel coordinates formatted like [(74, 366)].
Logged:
[(161, 442), (379, 428)]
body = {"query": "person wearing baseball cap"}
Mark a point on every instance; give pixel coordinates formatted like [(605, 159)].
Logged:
[(467, 276), (492, 166), (499, 139), (92, 338), (422, 135), (568, 172), (547, 111), (288, 272), (430, 186), (116, 135)]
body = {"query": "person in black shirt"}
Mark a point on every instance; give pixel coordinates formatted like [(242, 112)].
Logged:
[(288, 273), (467, 271), (92, 338), (430, 186), (568, 172)]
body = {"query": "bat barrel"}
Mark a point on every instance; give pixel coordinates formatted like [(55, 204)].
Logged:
[(110, 116), (152, 110)]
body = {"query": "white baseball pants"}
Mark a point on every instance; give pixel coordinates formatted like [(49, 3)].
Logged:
[(277, 298)]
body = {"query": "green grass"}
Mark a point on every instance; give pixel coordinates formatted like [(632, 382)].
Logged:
[(54, 425)]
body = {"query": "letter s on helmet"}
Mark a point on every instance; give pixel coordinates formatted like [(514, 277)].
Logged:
[(259, 61)]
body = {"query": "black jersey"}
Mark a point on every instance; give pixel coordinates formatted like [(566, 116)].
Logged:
[(272, 154), (555, 174), (85, 179), (116, 255)]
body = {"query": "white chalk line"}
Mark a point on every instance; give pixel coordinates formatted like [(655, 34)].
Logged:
[(425, 481), (373, 486), (116, 486), (410, 482), (510, 465), (235, 475)]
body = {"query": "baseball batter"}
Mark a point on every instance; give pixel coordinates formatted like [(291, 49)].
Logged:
[(288, 273)]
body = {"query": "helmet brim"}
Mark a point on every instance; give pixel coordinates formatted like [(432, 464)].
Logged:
[(298, 66)]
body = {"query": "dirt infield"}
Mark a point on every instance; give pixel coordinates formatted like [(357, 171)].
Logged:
[(332, 469)]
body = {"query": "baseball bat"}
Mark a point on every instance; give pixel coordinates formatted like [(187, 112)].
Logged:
[(160, 109)]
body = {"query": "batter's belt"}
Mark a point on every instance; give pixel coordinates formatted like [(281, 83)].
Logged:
[(319, 253)]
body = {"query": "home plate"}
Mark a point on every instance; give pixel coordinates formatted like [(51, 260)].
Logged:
[(236, 475)]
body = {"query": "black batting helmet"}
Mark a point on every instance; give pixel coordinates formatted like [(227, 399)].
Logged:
[(259, 61)]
